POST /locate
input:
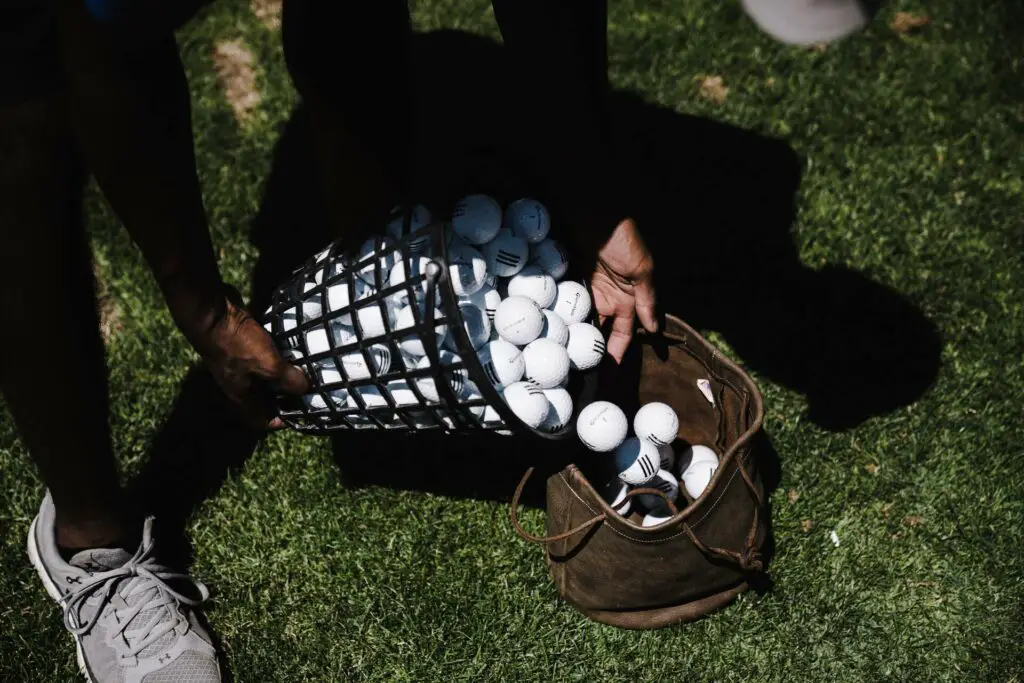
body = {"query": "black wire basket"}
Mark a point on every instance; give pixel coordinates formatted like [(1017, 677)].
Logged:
[(361, 374)]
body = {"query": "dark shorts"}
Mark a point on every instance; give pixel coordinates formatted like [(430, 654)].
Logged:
[(29, 61)]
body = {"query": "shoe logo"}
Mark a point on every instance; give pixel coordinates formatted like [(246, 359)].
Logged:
[(163, 659), (73, 579)]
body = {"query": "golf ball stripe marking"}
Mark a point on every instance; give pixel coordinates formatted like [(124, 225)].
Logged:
[(506, 258), (646, 466)]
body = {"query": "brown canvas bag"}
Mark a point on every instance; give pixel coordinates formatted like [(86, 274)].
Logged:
[(619, 573)]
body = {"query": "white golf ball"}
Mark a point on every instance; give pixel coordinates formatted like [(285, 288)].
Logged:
[(694, 454), (555, 328), (412, 344), (388, 256), (614, 493), (409, 269), (312, 305), (486, 299), (657, 423), (665, 482), (668, 458), (586, 346), (551, 257), (475, 323), (419, 218), (338, 298), (636, 461), (534, 283), (326, 372), (518, 320), (697, 475), (456, 377), (374, 400), (476, 218), (506, 255), (339, 397), (560, 411), (529, 219), (547, 363), (467, 269), (401, 394), (502, 362), (316, 338), (528, 402), (602, 426), (650, 520), (355, 367), (371, 320), (572, 303)]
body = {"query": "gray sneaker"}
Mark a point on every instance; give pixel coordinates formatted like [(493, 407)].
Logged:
[(129, 624)]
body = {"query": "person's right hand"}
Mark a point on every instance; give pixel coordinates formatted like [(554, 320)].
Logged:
[(243, 360)]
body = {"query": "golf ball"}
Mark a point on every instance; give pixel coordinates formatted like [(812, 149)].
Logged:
[(547, 363), (476, 218), (503, 363), (586, 346), (528, 402), (636, 461), (518, 320), (656, 422), (572, 302), (602, 426), (529, 219), (533, 283), (506, 255)]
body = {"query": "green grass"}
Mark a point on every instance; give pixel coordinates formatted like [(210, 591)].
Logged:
[(913, 164)]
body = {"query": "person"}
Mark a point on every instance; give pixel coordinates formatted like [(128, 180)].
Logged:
[(97, 87)]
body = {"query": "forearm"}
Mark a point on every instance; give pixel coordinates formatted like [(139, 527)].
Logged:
[(129, 105)]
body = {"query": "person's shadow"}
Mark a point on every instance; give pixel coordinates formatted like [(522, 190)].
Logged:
[(717, 203)]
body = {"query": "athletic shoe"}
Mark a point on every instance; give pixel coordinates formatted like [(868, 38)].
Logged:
[(129, 622)]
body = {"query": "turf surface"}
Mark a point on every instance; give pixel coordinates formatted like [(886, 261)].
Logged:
[(912, 159)]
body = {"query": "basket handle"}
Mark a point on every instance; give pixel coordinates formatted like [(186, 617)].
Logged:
[(525, 535)]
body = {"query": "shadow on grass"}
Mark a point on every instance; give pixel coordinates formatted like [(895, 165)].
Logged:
[(715, 204)]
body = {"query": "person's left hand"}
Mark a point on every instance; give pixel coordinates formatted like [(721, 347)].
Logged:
[(623, 286)]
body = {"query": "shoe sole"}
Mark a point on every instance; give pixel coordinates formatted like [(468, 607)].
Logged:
[(54, 593)]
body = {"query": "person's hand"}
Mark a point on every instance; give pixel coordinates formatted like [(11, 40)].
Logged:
[(245, 364), (623, 286)]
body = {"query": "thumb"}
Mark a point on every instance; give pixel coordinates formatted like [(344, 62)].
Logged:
[(289, 379), (646, 303)]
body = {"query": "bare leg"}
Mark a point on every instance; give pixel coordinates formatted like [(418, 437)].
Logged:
[(52, 368)]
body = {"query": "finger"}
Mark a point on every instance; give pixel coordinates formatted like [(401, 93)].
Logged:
[(646, 302), (290, 379), (620, 336), (276, 423)]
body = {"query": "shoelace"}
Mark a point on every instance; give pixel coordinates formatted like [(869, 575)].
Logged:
[(148, 577)]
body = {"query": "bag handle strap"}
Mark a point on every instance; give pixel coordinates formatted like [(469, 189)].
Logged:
[(657, 492), (524, 534), (748, 560)]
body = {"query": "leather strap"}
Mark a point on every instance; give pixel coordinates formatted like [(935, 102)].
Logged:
[(523, 533)]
